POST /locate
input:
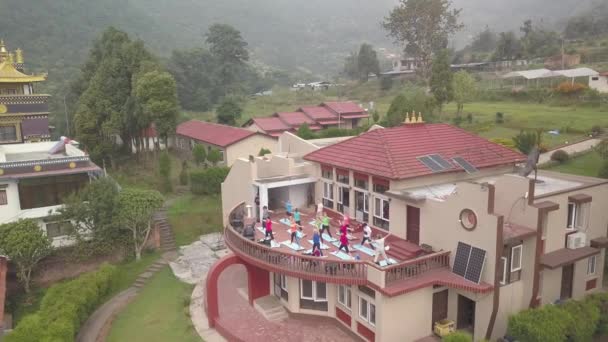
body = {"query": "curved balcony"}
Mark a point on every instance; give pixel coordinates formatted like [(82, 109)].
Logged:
[(399, 278)]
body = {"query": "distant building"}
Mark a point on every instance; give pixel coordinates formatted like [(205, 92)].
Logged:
[(562, 61), (232, 142), (344, 114), (23, 113), (402, 66), (599, 82)]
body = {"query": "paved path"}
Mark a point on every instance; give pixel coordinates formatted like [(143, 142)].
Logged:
[(91, 329), (249, 325), (579, 147)]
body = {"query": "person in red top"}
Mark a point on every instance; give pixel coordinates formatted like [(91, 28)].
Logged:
[(344, 242), (269, 229)]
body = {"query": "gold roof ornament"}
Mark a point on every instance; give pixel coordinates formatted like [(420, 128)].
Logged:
[(419, 120), (8, 74), (407, 118), (2, 46), (11, 58), (19, 56)]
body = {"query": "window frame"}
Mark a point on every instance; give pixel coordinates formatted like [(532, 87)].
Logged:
[(327, 173), (314, 297), (592, 264), (369, 303), (15, 126), (571, 217), (521, 250), (60, 226), (505, 274), (3, 196), (345, 296)]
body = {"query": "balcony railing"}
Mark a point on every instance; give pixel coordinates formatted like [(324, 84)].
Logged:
[(416, 267), (314, 268)]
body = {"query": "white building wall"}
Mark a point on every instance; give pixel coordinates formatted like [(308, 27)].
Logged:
[(599, 83)]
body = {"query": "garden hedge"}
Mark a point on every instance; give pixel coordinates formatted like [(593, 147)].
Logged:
[(458, 336), (208, 181), (64, 308)]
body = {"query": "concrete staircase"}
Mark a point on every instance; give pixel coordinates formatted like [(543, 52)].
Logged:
[(271, 308), (167, 239), (148, 273), (402, 250)]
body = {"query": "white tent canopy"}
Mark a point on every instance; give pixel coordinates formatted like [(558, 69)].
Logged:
[(546, 73)]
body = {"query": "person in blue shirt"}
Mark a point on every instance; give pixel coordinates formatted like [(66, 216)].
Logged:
[(316, 242), (288, 207)]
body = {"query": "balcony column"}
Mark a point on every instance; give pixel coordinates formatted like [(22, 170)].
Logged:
[(263, 193), (258, 282)]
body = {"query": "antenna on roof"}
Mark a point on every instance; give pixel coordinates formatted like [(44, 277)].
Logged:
[(531, 163)]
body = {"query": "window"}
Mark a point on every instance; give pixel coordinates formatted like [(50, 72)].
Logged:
[(344, 295), (57, 229), (516, 253), (595, 78), (367, 310), (8, 133), (328, 195), (361, 182), (591, 262), (280, 286), (381, 213), (380, 188), (48, 191), (577, 215), (342, 176), (3, 197), (362, 206), (327, 173), (503, 278), (313, 295)]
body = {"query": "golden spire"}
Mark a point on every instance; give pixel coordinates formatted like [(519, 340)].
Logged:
[(2, 47), (419, 118), (407, 118), (19, 56), (11, 59)]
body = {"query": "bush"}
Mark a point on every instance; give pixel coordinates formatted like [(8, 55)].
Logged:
[(585, 317), (567, 88), (264, 151), (560, 156), (386, 83), (208, 181), (549, 323), (596, 130), (64, 308), (600, 300), (458, 336), (183, 175), (500, 118)]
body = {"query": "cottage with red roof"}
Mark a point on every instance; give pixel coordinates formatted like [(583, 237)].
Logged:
[(232, 142), (473, 238), (345, 114)]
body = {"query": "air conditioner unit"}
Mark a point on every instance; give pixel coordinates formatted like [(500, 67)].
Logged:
[(576, 240)]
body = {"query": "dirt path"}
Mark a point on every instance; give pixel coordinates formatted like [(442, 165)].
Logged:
[(575, 148)]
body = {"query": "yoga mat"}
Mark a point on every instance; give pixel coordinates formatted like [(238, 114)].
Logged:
[(285, 221), (292, 245), (336, 243), (391, 261), (342, 255), (298, 234), (323, 246), (364, 249), (328, 238), (262, 230)]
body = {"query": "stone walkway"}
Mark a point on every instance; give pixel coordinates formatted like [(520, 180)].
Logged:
[(575, 148)]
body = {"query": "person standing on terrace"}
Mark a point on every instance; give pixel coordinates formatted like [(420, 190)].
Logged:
[(268, 227), (343, 242), (288, 208), (316, 242), (319, 210), (367, 235), (380, 248), (294, 232), (265, 216), (297, 218), (325, 224)]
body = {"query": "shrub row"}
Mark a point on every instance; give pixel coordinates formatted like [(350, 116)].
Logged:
[(576, 321), (208, 181), (64, 308)]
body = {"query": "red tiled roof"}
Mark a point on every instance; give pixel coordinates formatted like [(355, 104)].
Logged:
[(269, 124), (392, 152), (211, 133), (318, 113), (344, 107), (605, 73), (295, 118)]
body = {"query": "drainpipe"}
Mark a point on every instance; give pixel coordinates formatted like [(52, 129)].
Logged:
[(497, 275)]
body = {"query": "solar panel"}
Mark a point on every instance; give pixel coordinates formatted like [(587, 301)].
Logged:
[(461, 260), (428, 162), (465, 165), (475, 266), (442, 162)]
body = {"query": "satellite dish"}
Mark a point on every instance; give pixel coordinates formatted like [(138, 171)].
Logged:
[(531, 163)]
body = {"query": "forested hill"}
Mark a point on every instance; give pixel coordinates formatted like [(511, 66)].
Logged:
[(314, 34)]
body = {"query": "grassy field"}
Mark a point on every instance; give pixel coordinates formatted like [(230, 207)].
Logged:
[(143, 173), (158, 314), (192, 216), (585, 165)]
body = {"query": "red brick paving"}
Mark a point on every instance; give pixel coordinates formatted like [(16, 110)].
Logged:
[(242, 320)]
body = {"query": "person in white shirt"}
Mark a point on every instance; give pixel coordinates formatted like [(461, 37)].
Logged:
[(380, 248), (319, 210), (367, 236)]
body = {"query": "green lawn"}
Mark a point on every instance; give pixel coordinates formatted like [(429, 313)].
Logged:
[(192, 216), (498, 131), (585, 165), (158, 313), (143, 173)]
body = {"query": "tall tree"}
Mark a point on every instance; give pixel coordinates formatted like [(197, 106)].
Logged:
[(464, 88), (25, 244), (135, 210), (485, 41), (156, 93), (214, 156), (414, 100), (351, 66), (229, 111), (423, 27), (199, 154), (229, 50), (507, 47), (367, 62), (441, 78)]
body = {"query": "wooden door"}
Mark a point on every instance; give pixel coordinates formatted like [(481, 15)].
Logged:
[(567, 277), (413, 224), (466, 314), (440, 306)]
